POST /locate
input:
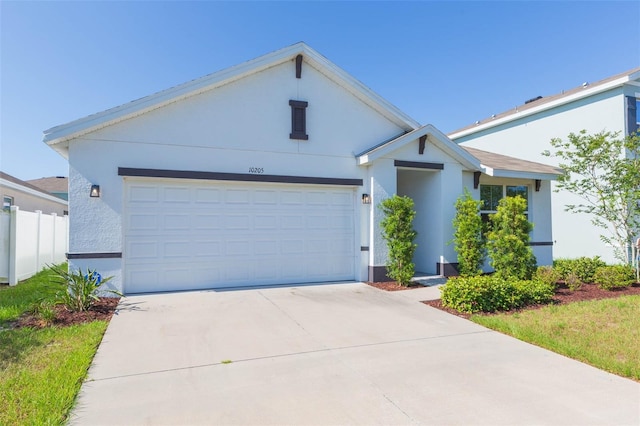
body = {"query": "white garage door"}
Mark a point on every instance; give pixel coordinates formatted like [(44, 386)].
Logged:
[(184, 234)]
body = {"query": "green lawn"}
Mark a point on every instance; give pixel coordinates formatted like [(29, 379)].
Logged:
[(41, 370), (603, 333)]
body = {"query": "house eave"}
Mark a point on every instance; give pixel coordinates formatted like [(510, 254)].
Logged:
[(589, 91), (517, 174)]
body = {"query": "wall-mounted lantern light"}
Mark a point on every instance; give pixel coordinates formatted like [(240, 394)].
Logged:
[(95, 191), (366, 199)]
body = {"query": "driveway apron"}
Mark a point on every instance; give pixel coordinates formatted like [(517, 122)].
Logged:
[(331, 354)]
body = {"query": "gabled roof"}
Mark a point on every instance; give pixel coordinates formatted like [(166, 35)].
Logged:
[(547, 102), (56, 136), (499, 165), (435, 136), (472, 159), (51, 184)]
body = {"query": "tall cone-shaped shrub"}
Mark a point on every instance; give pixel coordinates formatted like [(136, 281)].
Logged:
[(508, 241), (468, 240), (398, 232)]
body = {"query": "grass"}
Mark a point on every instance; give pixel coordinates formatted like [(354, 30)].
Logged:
[(41, 370), (604, 333), (16, 300)]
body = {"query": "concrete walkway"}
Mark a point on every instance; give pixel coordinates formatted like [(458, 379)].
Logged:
[(332, 354)]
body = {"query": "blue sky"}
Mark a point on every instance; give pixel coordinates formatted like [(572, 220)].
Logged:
[(444, 63)]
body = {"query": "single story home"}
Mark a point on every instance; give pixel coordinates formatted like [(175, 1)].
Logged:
[(270, 172)]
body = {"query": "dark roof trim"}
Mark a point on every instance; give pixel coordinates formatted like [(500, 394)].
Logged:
[(242, 177), (418, 165)]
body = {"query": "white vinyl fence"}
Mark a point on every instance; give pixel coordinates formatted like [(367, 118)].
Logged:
[(29, 242)]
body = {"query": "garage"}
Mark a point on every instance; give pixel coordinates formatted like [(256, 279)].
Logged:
[(183, 234)]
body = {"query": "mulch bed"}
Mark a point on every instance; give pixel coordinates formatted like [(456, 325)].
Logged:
[(103, 309), (562, 297), (394, 286), (106, 306)]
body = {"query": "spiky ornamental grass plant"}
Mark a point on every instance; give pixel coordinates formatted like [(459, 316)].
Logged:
[(398, 232), (81, 288), (468, 239), (508, 241)]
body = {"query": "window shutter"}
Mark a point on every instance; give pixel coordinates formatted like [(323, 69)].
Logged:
[(298, 120)]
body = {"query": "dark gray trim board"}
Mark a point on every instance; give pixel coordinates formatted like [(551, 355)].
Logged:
[(110, 255), (447, 269), (241, 177), (378, 274), (418, 165), (630, 104)]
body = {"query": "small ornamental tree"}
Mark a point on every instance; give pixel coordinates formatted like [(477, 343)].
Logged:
[(604, 171), (398, 232), (508, 240), (468, 240)]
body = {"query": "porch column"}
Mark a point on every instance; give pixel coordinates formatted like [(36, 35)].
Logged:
[(383, 185)]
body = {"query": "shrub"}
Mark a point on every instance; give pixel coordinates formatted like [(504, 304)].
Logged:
[(398, 232), (467, 237), (616, 276), (508, 241), (476, 294), (547, 274), (492, 293), (562, 267), (81, 290), (534, 292), (573, 282), (583, 267)]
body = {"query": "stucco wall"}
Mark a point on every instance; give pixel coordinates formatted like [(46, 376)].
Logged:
[(243, 125), (434, 193), (528, 137)]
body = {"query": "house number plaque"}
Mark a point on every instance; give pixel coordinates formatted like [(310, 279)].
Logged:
[(256, 170)]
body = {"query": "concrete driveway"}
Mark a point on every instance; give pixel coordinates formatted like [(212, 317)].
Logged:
[(332, 354)]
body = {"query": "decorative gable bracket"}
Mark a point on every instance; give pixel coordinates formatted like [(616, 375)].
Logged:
[(476, 179), (422, 142), (299, 66)]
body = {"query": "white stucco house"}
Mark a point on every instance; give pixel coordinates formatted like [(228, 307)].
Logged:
[(526, 131), (269, 172)]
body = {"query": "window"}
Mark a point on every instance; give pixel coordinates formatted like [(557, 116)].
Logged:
[(298, 120), (490, 196), (7, 202)]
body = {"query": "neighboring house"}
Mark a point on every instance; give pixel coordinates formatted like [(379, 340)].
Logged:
[(28, 197), (526, 131), (269, 172), (29, 241), (56, 185)]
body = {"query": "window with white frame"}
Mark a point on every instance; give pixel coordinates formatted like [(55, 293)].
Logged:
[(7, 202), (490, 196)]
